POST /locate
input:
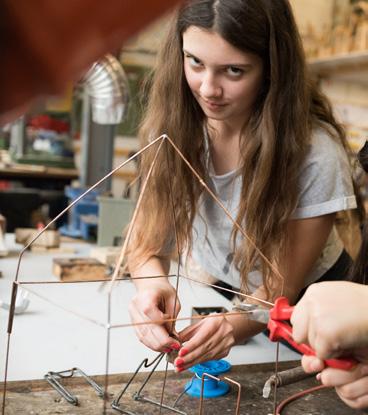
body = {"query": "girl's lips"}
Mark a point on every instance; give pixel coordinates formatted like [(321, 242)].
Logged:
[(219, 104), (212, 104)]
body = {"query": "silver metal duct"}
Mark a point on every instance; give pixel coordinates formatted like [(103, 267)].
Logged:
[(107, 86)]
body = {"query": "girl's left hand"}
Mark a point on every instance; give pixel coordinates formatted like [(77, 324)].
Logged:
[(209, 339), (351, 386)]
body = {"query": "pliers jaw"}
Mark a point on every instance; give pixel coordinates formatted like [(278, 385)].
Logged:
[(254, 311)]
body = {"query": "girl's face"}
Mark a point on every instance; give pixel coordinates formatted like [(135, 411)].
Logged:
[(224, 80)]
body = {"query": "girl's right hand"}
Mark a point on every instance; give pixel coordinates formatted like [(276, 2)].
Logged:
[(153, 303)]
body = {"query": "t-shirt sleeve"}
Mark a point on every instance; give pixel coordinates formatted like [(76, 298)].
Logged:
[(325, 181)]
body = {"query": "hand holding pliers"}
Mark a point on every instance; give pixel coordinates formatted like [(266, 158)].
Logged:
[(277, 319)]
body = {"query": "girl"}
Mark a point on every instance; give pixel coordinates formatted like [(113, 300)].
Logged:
[(232, 91)]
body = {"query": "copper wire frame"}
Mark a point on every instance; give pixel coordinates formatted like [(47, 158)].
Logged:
[(138, 396), (115, 277), (218, 379)]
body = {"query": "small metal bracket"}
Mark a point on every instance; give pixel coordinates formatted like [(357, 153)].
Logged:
[(137, 396), (53, 379)]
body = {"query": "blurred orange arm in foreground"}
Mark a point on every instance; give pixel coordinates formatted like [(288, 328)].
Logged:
[(46, 43)]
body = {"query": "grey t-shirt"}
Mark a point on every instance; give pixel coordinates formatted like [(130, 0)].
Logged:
[(325, 186)]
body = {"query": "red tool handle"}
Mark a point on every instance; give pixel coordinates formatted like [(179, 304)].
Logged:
[(281, 330)]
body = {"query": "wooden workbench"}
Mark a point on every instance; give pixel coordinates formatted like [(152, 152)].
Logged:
[(37, 397)]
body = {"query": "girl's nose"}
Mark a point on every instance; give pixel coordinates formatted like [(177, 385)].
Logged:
[(210, 88)]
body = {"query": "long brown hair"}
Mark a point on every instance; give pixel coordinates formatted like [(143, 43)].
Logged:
[(359, 269), (273, 144)]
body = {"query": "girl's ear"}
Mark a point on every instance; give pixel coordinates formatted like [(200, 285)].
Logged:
[(363, 156)]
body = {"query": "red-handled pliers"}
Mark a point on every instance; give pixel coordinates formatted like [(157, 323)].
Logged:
[(276, 319)]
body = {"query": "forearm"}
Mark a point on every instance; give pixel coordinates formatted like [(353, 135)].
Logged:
[(243, 327), (153, 267), (154, 303)]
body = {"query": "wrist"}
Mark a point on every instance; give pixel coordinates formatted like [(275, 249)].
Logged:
[(240, 326), (142, 283), (243, 327)]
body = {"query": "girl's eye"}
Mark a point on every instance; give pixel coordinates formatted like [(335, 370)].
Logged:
[(234, 71), (194, 61)]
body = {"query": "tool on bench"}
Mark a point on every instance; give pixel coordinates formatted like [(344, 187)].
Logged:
[(283, 378), (276, 319), (53, 379)]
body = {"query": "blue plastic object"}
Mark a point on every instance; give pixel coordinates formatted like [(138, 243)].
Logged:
[(86, 206), (211, 388)]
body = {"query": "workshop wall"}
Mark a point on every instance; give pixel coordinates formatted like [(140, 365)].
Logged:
[(315, 13), (324, 25)]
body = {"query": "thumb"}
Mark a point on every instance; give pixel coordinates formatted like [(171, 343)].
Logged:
[(172, 306), (312, 364), (187, 333)]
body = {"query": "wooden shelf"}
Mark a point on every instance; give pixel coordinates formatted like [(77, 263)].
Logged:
[(34, 171), (126, 175), (351, 67), (118, 152)]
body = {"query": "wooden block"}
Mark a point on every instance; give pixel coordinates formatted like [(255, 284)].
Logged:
[(341, 40), (49, 239), (54, 250), (3, 249), (3, 223), (108, 255), (205, 311), (361, 37), (79, 269)]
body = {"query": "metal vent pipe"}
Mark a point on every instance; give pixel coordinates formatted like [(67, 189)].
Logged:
[(107, 86)]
